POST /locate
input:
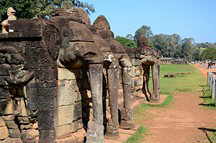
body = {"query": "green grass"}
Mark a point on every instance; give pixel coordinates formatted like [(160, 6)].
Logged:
[(207, 98), (165, 103), (184, 83), (137, 136), (213, 137)]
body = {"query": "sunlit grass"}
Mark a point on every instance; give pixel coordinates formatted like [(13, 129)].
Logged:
[(207, 98), (137, 136), (189, 82)]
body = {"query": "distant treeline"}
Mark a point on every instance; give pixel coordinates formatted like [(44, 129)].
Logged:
[(172, 46)]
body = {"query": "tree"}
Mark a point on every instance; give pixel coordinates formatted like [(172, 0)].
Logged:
[(126, 42), (168, 45), (209, 54), (130, 36), (186, 48), (34, 8), (144, 31), (196, 54)]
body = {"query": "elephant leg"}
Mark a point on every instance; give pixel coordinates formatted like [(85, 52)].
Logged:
[(113, 124), (95, 132), (144, 88), (156, 82), (147, 81), (126, 113)]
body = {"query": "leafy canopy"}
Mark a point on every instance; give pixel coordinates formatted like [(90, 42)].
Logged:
[(126, 42), (35, 8)]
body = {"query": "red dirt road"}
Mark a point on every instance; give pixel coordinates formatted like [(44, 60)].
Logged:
[(180, 122)]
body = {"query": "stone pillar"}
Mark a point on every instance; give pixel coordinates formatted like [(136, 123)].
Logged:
[(95, 133), (213, 91), (126, 113), (156, 82), (113, 86)]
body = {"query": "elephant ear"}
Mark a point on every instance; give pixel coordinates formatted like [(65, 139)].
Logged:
[(52, 39)]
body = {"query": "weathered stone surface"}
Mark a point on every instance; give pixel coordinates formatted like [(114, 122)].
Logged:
[(8, 118), (26, 127), (46, 74), (12, 140), (68, 128), (47, 98), (67, 114), (77, 111), (46, 120), (3, 132), (47, 136), (11, 124), (23, 120), (4, 69), (14, 133), (2, 122), (77, 137), (80, 32), (111, 130), (35, 126), (23, 27), (95, 133), (67, 93), (65, 74), (29, 136)]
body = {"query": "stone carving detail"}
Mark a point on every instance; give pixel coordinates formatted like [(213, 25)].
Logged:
[(123, 66), (14, 106), (11, 16), (145, 60), (62, 81)]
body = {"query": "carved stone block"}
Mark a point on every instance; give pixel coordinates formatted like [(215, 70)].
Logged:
[(3, 132)]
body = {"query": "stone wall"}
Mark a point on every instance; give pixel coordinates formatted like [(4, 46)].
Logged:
[(38, 94), (137, 72)]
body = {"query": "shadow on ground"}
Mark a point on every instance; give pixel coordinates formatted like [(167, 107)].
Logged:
[(206, 131), (207, 104), (205, 97)]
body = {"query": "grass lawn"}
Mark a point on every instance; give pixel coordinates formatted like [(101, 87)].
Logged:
[(193, 81), (189, 82)]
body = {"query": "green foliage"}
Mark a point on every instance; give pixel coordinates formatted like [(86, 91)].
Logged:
[(126, 42), (209, 54), (145, 31), (24, 8), (175, 47), (35, 8), (165, 103), (137, 136), (168, 45)]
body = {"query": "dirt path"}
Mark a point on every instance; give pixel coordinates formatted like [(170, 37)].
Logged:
[(180, 122)]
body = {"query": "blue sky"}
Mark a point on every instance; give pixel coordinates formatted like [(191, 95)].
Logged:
[(189, 18)]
